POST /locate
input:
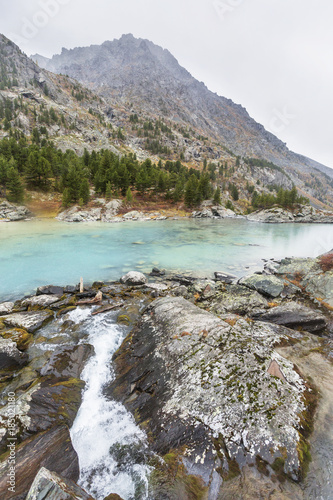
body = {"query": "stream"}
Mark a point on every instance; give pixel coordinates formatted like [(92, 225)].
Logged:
[(110, 447)]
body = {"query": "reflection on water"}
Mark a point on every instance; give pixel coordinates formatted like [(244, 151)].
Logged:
[(41, 252)]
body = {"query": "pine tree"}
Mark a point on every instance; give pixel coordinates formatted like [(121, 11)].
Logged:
[(84, 191), (129, 196), (14, 185), (217, 196), (108, 191), (66, 197)]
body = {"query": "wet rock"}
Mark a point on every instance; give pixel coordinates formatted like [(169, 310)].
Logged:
[(60, 304), (51, 449), (45, 403), (48, 485), (182, 280), (68, 361), (70, 289), (157, 272), (40, 300), (296, 316), (238, 299), (21, 337), (224, 277), (270, 286), (6, 307), (51, 290), (201, 382), (113, 496), (10, 356), (134, 278), (30, 321)]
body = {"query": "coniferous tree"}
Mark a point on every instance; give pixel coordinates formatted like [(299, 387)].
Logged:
[(217, 196), (14, 185)]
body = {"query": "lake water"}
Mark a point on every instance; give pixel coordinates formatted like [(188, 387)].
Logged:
[(39, 252)]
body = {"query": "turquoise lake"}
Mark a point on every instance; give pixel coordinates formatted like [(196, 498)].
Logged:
[(39, 252)]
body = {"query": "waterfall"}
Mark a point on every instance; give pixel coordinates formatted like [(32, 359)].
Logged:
[(110, 447)]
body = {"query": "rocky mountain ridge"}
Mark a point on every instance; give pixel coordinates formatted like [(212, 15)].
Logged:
[(148, 105), (148, 76)]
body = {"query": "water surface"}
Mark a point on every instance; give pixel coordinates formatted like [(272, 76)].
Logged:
[(39, 252)]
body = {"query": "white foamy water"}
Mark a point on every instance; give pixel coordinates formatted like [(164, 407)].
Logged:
[(109, 445)]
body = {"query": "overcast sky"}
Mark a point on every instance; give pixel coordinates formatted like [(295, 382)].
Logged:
[(272, 56)]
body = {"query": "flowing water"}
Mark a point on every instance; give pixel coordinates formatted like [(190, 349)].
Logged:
[(110, 447), (39, 252)]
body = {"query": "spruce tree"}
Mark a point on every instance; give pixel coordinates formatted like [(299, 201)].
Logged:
[(14, 185)]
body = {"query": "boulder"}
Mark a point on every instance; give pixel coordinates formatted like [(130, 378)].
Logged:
[(30, 321), (296, 316), (40, 300), (238, 299), (320, 286), (46, 403), (203, 384), (224, 277), (51, 449), (271, 286), (134, 278), (21, 337), (6, 307), (48, 485), (290, 267), (10, 356), (271, 215), (52, 290), (67, 361)]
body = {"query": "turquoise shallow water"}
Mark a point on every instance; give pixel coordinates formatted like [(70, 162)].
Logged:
[(39, 252)]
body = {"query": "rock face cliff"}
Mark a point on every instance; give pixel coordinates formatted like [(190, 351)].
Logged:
[(142, 73)]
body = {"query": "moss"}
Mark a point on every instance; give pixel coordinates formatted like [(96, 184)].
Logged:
[(262, 466), (123, 319), (304, 455), (20, 336), (169, 476), (278, 468)]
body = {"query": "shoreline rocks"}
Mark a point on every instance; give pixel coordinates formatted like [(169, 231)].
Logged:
[(213, 370), (10, 212), (303, 214)]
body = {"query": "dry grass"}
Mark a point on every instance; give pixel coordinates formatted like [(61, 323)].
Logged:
[(326, 262)]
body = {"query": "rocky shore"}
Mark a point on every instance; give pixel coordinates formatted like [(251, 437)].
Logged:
[(230, 379), (301, 215), (10, 212)]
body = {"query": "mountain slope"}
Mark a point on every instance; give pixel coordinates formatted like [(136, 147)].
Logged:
[(150, 78), (141, 101)]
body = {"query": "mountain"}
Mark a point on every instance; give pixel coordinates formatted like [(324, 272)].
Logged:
[(131, 96), (150, 78)]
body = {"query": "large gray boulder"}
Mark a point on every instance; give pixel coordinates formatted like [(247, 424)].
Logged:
[(215, 387), (296, 316), (48, 485), (268, 285)]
